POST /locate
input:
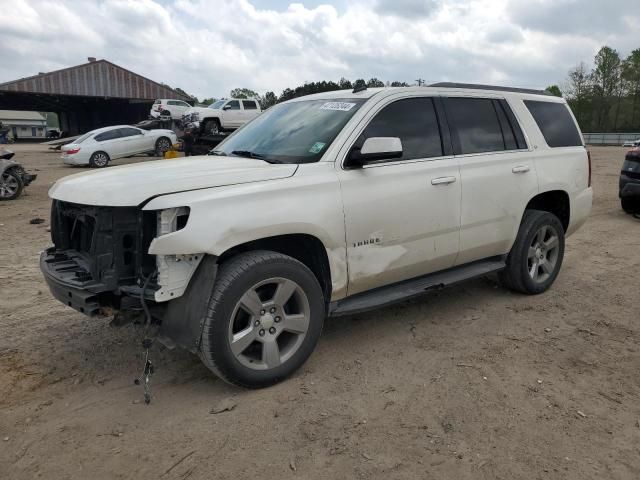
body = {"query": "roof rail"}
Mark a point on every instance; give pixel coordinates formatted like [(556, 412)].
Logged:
[(490, 87)]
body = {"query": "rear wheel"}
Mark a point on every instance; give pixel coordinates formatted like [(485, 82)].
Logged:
[(11, 185), (99, 160), (536, 256), (264, 319), (630, 204)]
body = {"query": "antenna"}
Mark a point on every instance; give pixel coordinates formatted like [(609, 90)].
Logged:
[(421, 82)]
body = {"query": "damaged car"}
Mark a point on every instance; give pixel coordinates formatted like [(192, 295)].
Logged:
[(13, 177), (331, 204)]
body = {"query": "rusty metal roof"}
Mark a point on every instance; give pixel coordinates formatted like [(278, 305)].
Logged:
[(99, 78)]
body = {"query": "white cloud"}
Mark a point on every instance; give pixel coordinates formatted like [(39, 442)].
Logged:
[(209, 47)]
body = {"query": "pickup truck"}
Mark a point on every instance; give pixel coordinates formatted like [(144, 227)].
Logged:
[(222, 115)]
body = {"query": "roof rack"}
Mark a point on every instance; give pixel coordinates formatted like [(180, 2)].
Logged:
[(490, 87)]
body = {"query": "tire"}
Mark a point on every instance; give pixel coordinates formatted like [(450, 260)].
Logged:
[(99, 160), (212, 127), (245, 319), (630, 204), (536, 256), (11, 185), (163, 144)]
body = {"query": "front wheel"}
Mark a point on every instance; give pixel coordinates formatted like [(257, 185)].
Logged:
[(163, 144), (264, 319), (536, 256), (212, 127)]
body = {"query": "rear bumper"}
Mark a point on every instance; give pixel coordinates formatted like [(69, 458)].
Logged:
[(629, 187)]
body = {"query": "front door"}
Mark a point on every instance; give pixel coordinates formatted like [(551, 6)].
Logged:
[(232, 114), (402, 216)]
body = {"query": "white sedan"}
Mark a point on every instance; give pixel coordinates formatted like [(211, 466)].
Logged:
[(98, 147)]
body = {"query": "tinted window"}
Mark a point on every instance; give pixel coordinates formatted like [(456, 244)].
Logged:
[(414, 121), (475, 123), (109, 135), (555, 123), (233, 105), (249, 105), (129, 132)]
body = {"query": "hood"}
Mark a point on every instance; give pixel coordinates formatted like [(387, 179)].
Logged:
[(131, 185), (201, 110)]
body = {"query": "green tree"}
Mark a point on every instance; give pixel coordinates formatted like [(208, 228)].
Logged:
[(208, 101), (554, 90), (631, 74), (243, 93), (579, 94), (268, 100), (399, 84), (359, 83), (606, 82), (345, 84), (375, 83)]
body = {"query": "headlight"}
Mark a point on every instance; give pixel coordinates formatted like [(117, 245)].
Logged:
[(171, 220)]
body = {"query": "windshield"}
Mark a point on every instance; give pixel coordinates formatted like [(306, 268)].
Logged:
[(83, 138), (296, 132), (216, 105)]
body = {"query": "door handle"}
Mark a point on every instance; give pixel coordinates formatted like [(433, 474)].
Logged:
[(442, 180), (520, 169)]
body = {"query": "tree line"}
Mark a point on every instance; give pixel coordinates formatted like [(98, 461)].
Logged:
[(605, 98)]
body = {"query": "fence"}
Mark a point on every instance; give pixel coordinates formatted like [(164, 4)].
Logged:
[(609, 138)]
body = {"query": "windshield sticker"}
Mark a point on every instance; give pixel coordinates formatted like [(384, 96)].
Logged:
[(340, 106), (317, 147)]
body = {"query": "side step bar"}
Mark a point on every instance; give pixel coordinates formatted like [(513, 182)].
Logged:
[(406, 289)]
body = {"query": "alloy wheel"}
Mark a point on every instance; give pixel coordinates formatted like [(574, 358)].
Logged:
[(542, 257), (269, 323), (100, 159), (9, 186)]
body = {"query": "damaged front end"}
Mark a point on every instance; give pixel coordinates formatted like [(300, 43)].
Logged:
[(100, 265)]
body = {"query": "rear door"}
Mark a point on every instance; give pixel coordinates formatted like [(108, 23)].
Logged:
[(249, 110), (232, 114), (497, 171)]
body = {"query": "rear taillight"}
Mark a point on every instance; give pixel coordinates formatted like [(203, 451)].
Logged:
[(75, 150), (589, 160)]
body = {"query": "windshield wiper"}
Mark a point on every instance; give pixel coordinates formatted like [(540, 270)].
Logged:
[(248, 154), (216, 153)]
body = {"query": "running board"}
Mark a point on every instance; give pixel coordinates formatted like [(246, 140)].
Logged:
[(397, 292)]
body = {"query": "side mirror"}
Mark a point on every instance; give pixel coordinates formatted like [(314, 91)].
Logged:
[(227, 107), (375, 149)]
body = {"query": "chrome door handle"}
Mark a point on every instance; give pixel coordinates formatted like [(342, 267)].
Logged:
[(520, 169), (443, 180)]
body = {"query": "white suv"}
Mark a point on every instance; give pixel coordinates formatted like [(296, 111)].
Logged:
[(167, 107), (223, 115), (328, 204)]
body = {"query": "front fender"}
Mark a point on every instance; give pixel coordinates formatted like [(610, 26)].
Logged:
[(6, 164)]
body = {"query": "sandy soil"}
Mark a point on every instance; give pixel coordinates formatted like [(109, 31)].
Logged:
[(470, 383)]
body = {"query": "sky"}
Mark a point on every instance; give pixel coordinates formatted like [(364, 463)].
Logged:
[(208, 47)]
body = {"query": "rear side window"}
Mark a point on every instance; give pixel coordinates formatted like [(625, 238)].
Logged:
[(555, 123), (414, 121), (249, 105), (475, 124), (109, 135), (129, 132)]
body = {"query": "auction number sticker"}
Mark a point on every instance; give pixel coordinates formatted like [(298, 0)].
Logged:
[(340, 106)]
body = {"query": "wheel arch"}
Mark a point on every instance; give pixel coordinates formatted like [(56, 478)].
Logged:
[(307, 249), (556, 202)]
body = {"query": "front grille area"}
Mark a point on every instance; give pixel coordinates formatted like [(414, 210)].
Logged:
[(102, 246)]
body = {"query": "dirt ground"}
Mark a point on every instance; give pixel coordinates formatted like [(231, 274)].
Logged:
[(473, 382)]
